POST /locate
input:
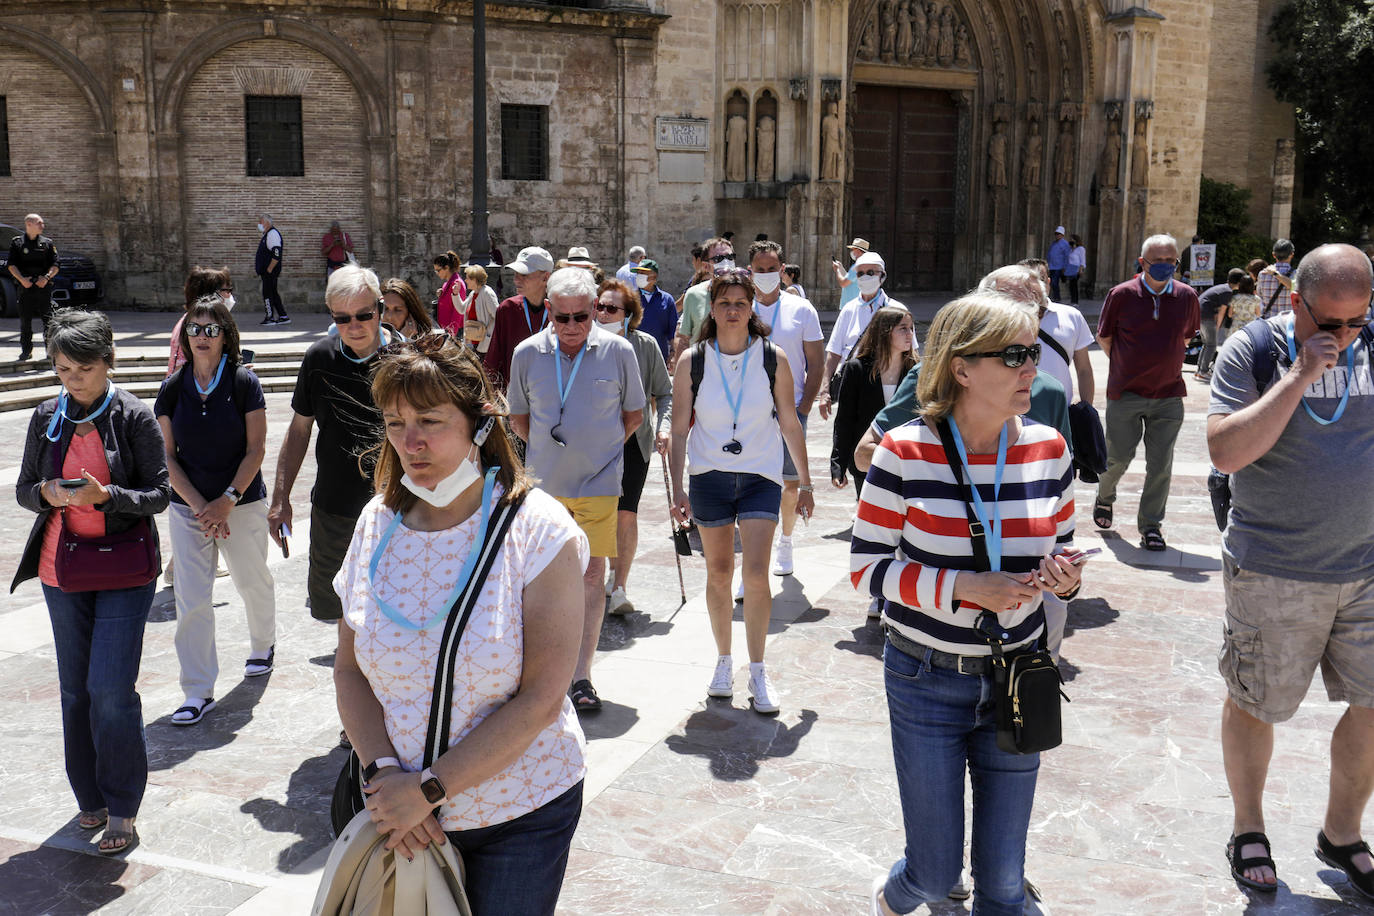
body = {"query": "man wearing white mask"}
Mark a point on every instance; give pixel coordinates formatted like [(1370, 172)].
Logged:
[(796, 329), (720, 255), (849, 290), (870, 272), (660, 311)]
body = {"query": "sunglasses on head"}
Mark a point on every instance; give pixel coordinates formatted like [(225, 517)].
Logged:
[(608, 308), (209, 330), (1353, 323), (579, 317), (342, 320), (1013, 356)]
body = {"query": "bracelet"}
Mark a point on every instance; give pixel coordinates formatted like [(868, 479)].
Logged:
[(808, 488), (380, 763), (1069, 594)]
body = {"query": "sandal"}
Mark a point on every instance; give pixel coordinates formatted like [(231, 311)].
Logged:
[(126, 840), (1342, 858), (193, 711), (93, 820), (1102, 515), (584, 696), (1151, 539), (1239, 865), (257, 667)]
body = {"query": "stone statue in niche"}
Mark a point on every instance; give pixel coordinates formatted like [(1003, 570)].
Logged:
[(767, 139), (1030, 166), (887, 18), (932, 29), (902, 48), (1140, 155), (832, 149), (997, 158), (736, 143), (868, 42), (1063, 175), (1111, 156), (918, 30), (945, 48), (962, 56)]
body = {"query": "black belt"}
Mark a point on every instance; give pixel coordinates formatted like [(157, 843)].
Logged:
[(964, 664)]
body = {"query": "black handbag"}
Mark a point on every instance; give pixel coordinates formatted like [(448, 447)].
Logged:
[(1026, 682), (348, 797)]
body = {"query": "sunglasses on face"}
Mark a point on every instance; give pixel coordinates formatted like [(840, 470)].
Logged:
[(579, 317), (342, 320), (226, 290), (1013, 357), (1353, 323), (209, 330), (717, 258), (608, 309), (867, 273)]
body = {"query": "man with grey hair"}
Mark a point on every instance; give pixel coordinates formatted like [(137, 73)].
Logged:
[(626, 271), (267, 265), (1144, 328), (333, 390), (32, 263), (1291, 420), (576, 398)]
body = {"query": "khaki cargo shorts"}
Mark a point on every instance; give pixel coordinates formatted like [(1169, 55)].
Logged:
[(1278, 630)]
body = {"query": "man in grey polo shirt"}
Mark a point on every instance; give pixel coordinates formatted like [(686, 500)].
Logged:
[(576, 398)]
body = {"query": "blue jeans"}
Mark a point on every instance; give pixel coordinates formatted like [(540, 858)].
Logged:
[(943, 722), (99, 641), (518, 866)]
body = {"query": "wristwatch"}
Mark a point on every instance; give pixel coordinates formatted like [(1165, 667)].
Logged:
[(234, 495), (380, 763), (434, 790)]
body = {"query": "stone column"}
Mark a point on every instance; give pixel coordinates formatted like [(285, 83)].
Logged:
[(411, 218), (1281, 200), (637, 166)]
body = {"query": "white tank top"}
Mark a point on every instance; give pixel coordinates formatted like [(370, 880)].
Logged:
[(757, 429)]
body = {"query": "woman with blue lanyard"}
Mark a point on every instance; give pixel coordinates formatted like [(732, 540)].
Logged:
[(214, 427), (912, 547), (729, 428), (94, 469), (462, 598)]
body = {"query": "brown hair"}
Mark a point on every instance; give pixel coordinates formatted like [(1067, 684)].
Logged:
[(431, 370), (202, 281), (449, 260), (423, 322), (876, 341), (742, 278), (634, 309), (212, 306), (1255, 266)]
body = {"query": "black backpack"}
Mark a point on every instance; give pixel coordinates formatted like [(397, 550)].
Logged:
[(770, 367)]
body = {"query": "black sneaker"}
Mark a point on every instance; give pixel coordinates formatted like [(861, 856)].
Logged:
[(268, 320), (285, 319)]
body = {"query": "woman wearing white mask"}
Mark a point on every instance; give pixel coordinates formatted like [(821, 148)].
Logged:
[(619, 311), (459, 565), (870, 272)]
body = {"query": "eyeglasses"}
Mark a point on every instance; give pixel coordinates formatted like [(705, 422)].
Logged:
[(209, 330), (607, 308), (717, 258), (579, 317), (226, 289), (867, 273), (342, 320), (1354, 323), (1013, 357)]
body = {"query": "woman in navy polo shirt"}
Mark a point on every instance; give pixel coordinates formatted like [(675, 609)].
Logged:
[(214, 424)]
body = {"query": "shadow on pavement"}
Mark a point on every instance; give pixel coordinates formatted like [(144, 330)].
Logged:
[(734, 740), (306, 809), (621, 631), (51, 880), (170, 745), (614, 720), (868, 640), (1089, 614)]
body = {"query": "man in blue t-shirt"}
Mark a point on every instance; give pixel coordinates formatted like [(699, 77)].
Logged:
[(1058, 258)]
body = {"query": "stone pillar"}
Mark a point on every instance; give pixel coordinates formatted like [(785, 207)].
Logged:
[(637, 166), (409, 97), (1281, 201)]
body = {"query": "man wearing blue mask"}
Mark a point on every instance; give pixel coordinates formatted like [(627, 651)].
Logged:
[(1275, 283), (1145, 326)]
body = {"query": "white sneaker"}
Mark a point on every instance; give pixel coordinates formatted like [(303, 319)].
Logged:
[(762, 695), (723, 681), (875, 611), (620, 604), (782, 558), (874, 907), (610, 587), (739, 592)]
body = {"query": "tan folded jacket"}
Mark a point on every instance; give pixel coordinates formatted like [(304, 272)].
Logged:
[(362, 877)]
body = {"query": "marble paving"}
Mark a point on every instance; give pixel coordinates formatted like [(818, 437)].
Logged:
[(696, 805)]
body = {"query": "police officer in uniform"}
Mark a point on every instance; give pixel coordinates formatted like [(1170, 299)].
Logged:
[(33, 264), (267, 265)]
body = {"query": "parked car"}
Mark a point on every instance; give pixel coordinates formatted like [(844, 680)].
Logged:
[(77, 281)]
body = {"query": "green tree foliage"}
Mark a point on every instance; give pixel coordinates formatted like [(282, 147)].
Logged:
[(1223, 217), (1324, 66)]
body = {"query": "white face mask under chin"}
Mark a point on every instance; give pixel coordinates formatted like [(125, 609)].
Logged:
[(610, 327), (463, 476), (766, 283), (230, 303), (869, 285)]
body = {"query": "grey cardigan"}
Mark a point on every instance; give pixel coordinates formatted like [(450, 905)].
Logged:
[(138, 471)]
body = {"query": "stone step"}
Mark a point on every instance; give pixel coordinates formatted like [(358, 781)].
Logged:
[(29, 398), (154, 357), (126, 375)]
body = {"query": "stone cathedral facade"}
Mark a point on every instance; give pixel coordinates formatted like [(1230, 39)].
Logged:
[(953, 134)]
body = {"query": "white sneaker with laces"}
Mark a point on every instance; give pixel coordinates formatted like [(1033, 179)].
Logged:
[(723, 681), (875, 609), (762, 695), (620, 603), (782, 558)]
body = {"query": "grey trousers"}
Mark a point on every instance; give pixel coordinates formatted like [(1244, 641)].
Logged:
[(1209, 346), (1158, 420)]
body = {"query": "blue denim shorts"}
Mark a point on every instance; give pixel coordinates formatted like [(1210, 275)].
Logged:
[(720, 497)]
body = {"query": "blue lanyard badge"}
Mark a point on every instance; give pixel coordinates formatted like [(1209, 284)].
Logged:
[(387, 339), (734, 398), (1349, 378), (529, 322), (563, 390), (214, 381), (394, 615), (994, 530), (54, 430)]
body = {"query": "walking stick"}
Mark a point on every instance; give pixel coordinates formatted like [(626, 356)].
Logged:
[(681, 546)]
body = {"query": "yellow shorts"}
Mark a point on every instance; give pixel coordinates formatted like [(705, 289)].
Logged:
[(595, 515)]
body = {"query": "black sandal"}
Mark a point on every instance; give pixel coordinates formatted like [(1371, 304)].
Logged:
[(1342, 857), (1102, 515), (584, 698), (1239, 865), (1152, 539)]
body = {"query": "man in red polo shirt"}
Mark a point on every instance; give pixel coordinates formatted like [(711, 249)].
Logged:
[(1145, 326), (521, 315)]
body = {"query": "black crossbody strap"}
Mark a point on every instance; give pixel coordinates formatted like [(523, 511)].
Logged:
[(441, 703), (976, 533), (1054, 345)]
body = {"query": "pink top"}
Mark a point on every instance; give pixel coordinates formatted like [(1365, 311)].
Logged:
[(86, 453), (177, 358), (450, 316)]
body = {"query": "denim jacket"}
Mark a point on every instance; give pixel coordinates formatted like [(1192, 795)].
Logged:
[(138, 471)]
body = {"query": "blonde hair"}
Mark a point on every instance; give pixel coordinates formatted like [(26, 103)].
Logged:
[(977, 323), (476, 275)]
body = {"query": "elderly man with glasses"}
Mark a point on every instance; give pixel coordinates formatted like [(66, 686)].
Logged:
[(576, 399), (1144, 328), (1294, 428)]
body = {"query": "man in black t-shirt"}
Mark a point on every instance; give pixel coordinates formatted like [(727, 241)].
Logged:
[(332, 390), (32, 264), (1212, 302)]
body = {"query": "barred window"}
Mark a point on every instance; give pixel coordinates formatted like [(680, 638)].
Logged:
[(272, 127), (4, 137), (525, 142)]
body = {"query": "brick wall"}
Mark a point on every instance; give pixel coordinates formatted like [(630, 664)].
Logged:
[(1180, 118)]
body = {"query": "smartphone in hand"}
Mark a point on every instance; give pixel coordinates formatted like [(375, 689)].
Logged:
[(1079, 557), (286, 542), (72, 483)]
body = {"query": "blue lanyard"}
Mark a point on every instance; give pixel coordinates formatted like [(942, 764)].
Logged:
[(772, 323), (558, 365), (529, 322), (386, 340), (994, 531), (736, 398), (54, 431), (394, 615), (214, 381), (1349, 379)]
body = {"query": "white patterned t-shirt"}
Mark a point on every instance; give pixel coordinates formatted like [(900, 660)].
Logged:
[(416, 575)]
